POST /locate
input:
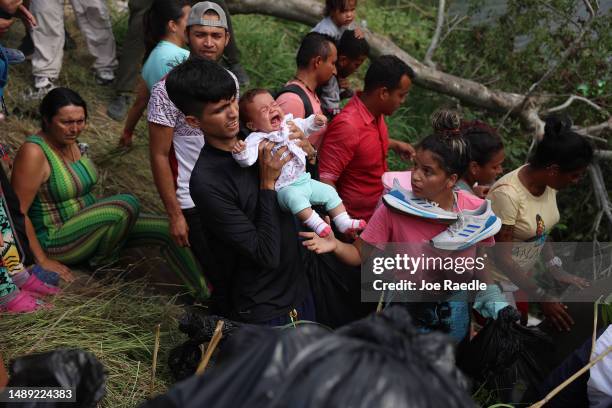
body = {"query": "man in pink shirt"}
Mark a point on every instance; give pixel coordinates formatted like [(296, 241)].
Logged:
[(353, 153), (316, 64)]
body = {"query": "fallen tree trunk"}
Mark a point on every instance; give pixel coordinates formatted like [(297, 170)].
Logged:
[(309, 12), (525, 107)]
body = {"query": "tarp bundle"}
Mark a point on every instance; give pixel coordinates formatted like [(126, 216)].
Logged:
[(380, 361), (508, 356), (75, 369)]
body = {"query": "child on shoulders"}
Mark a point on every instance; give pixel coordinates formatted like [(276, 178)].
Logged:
[(339, 17), (339, 24)]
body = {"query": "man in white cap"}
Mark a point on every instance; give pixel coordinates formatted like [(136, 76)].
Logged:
[(175, 146), (133, 50)]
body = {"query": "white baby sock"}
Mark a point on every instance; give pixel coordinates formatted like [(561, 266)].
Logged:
[(346, 223), (316, 223)]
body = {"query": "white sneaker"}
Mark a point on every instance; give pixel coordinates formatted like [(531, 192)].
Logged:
[(472, 226), (42, 86), (43, 82), (405, 201), (105, 76)]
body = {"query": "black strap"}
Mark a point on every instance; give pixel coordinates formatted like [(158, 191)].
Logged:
[(299, 91), (308, 110)]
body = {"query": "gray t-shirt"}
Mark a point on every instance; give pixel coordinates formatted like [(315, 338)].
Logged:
[(330, 92), (328, 27)]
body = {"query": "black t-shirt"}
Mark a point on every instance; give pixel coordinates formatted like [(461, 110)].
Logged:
[(254, 244)]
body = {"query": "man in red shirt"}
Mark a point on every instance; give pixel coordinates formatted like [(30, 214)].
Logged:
[(353, 154)]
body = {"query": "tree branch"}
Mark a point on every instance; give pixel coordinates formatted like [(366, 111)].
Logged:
[(310, 12), (594, 138), (554, 10), (600, 190), (408, 5), (524, 107), (569, 51), (571, 379), (595, 129), (436, 37), (454, 25), (603, 154), (589, 7), (571, 100)]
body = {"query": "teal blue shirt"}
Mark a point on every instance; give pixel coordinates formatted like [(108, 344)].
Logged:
[(162, 59)]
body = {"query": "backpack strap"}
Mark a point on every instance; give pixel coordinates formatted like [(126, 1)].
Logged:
[(308, 110), (299, 91)]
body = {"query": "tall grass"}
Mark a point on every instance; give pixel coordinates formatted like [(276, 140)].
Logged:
[(268, 48), (110, 318)]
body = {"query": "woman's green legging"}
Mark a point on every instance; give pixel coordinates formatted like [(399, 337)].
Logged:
[(98, 233)]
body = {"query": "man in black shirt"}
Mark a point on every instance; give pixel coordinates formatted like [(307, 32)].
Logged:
[(254, 244)]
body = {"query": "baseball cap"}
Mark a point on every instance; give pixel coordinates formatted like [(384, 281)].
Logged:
[(196, 16)]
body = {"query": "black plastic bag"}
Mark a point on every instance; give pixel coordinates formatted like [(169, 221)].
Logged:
[(381, 361), (76, 369), (200, 327), (183, 360), (343, 372), (394, 329), (507, 356), (251, 362)]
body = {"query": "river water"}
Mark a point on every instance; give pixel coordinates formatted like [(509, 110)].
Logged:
[(492, 9)]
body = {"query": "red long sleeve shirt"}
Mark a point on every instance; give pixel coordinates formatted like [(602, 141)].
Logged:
[(353, 155)]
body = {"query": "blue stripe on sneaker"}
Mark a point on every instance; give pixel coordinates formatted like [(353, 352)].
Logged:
[(490, 221), (397, 194), (413, 210), (485, 232), (473, 226), (395, 198), (464, 235)]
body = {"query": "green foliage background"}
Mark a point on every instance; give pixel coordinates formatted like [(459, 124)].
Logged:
[(485, 53)]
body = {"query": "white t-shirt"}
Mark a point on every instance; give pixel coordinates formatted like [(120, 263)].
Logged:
[(187, 141), (599, 386)]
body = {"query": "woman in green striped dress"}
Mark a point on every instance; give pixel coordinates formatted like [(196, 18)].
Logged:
[(66, 224)]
